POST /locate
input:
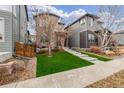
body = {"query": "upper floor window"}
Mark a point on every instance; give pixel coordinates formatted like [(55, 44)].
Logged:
[(91, 22), (2, 29), (82, 22)]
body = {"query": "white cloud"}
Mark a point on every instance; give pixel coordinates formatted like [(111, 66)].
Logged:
[(67, 16)]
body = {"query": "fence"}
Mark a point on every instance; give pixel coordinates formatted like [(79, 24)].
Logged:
[(25, 50)]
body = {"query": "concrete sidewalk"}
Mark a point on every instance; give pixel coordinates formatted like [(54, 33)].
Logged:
[(80, 77)]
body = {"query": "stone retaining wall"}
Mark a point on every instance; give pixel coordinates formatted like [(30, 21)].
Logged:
[(17, 70)]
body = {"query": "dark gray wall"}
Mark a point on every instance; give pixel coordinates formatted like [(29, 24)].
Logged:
[(83, 39)]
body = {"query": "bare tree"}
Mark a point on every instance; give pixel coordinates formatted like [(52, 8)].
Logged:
[(35, 11), (61, 36), (69, 31), (112, 18), (47, 27), (44, 27)]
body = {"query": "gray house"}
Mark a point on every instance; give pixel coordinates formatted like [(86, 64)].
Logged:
[(13, 26), (119, 37), (83, 31)]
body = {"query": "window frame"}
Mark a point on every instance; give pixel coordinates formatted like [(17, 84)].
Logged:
[(3, 28), (91, 38), (91, 21), (82, 22)]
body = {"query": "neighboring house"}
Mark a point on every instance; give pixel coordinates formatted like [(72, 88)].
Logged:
[(83, 31), (119, 37), (13, 26), (40, 26)]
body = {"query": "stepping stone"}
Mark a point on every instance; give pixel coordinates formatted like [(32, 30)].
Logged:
[(97, 61), (82, 55), (89, 58)]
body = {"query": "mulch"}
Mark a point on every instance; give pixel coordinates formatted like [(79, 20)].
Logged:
[(114, 81)]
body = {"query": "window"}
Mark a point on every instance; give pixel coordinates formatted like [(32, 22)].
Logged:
[(91, 37), (91, 22), (82, 21), (2, 29)]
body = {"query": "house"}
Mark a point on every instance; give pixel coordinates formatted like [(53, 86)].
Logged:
[(83, 31), (13, 26), (119, 37), (53, 19)]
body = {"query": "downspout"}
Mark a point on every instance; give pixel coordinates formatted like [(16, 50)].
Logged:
[(19, 23), (86, 32), (13, 47)]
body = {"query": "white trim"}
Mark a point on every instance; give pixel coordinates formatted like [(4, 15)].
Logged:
[(2, 28)]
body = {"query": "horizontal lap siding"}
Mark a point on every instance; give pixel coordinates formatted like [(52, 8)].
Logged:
[(6, 46)]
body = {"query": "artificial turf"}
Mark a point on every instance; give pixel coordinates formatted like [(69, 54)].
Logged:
[(60, 61), (99, 57)]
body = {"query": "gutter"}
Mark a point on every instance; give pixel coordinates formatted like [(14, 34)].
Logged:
[(26, 12)]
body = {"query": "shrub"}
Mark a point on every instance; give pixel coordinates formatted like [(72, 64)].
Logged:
[(95, 49), (55, 50), (43, 51)]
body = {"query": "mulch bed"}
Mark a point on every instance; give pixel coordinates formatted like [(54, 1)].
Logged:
[(114, 81)]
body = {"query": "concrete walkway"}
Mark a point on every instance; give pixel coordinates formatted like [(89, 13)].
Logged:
[(80, 77), (83, 56)]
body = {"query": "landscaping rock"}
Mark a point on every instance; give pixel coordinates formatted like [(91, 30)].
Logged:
[(18, 66), (6, 69), (17, 70)]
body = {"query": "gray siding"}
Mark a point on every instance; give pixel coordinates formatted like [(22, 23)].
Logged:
[(95, 27), (6, 46), (15, 28), (19, 25), (83, 39), (23, 23), (74, 39), (79, 34)]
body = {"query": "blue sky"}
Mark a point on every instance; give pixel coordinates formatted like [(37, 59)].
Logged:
[(69, 13), (69, 8)]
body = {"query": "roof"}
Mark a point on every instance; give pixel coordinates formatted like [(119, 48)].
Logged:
[(45, 13), (119, 32), (26, 12), (87, 14)]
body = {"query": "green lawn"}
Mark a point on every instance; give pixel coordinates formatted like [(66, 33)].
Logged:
[(60, 61), (100, 57)]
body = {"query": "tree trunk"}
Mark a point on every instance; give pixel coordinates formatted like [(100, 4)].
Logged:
[(67, 42), (62, 43), (49, 49)]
